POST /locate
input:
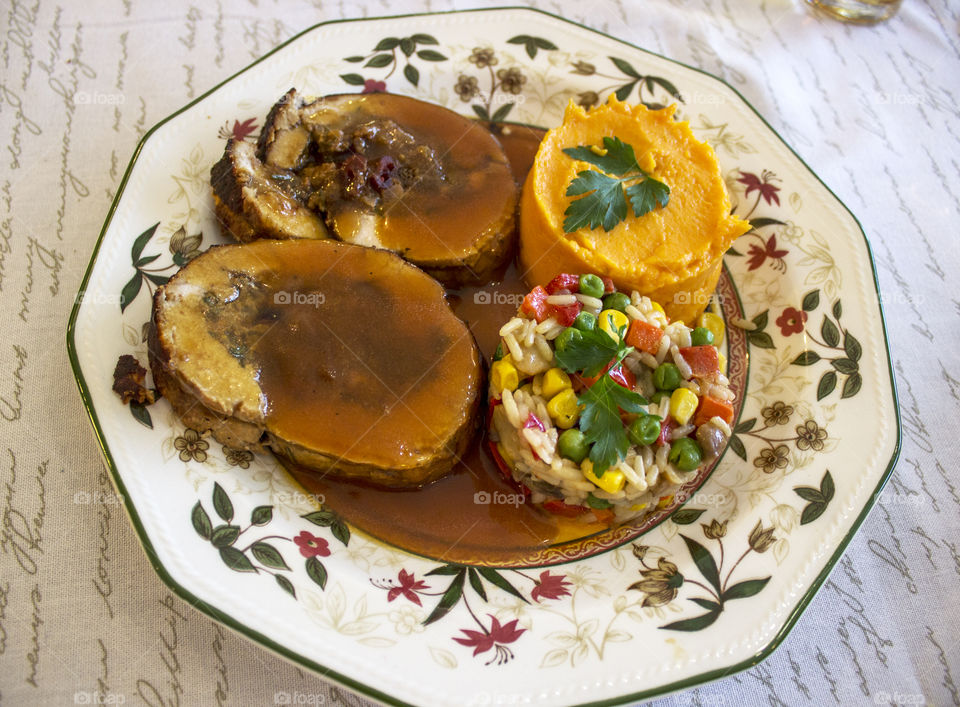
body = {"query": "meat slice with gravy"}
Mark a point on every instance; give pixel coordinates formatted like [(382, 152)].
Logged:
[(340, 358), (387, 171)]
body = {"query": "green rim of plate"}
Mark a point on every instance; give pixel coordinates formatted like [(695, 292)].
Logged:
[(345, 680)]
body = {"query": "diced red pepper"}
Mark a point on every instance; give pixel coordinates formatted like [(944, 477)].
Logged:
[(608, 285), (505, 470), (534, 422), (644, 337), (621, 374), (564, 281), (710, 408), (491, 404), (558, 507), (666, 430), (703, 360), (567, 313), (535, 304)]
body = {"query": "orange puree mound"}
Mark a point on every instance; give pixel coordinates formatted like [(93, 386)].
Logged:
[(672, 254)]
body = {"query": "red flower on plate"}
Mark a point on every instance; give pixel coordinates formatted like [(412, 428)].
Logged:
[(758, 255), (239, 131), (550, 586), (762, 184), (311, 546), (497, 638), (408, 586), (791, 321), (374, 86)]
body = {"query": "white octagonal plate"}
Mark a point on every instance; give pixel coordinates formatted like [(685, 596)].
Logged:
[(712, 591)]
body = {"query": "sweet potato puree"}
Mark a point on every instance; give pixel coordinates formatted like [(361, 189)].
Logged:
[(672, 254)]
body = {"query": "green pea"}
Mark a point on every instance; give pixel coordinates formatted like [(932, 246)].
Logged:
[(667, 376), (616, 300), (585, 322), (591, 286), (573, 445), (701, 336), (569, 336), (644, 430), (685, 454)]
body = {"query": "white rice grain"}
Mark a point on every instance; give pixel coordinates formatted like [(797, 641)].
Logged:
[(720, 392), (684, 367), (744, 324), (638, 482), (670, 475), (511, 326), (648, 360), (664, 349), (691, 386), (513, 346), (543, 347), (661, 457), (721, 425), (561, 300), (554, 331), (510, 407), (653, 473), (634, 313), (529, 331), (544, 326), (681, 432), (590, 302)]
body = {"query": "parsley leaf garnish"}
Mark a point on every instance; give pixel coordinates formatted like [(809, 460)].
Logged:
[(601, 424), (590, 353), (602, 402), (603, 198)]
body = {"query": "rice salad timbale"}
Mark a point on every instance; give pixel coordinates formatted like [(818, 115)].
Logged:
[(600, 407)]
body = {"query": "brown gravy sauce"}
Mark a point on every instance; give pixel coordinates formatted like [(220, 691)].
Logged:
[(473, 515)]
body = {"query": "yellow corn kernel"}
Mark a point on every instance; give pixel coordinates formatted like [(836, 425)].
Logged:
[(709, 320), (612, 480), (665, 501), (554, 380), (683, 403), (619, 320), (723, 363), (563, 409), (638, 506), (503, 375)]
